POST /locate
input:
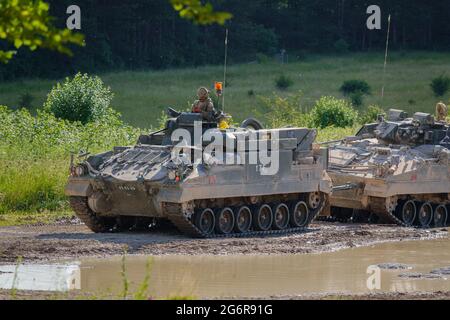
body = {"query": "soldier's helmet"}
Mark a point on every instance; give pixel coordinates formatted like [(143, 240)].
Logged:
[(202, 93)]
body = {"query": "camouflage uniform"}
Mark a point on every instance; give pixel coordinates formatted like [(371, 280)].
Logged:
[(441, 111), (204, 105)]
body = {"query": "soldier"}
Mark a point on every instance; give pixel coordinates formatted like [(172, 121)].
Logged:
[(441, 111), (204, 105)]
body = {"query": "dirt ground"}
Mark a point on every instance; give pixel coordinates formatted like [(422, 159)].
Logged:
[(376, 296), (70, 239), (34, 295)]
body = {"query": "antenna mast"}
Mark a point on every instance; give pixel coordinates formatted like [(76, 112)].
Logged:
[(225, 71), (385, 58)]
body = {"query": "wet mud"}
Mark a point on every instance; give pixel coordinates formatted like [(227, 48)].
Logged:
[(73, 240)]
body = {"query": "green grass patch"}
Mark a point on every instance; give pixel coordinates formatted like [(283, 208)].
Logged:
[(35, 157), (18, 218), (32, 186), (333, 133), (141, 96)]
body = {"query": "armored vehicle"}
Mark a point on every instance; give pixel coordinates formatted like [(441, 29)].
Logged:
[(396, 170), (223, 192)]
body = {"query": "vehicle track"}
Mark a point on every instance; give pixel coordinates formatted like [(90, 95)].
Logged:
[(183, 224)]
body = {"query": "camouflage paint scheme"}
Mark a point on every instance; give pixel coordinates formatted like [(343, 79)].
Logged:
[(143, 180), (399, 170)]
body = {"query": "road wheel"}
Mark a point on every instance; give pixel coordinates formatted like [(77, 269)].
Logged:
[(426, 215), (205, 221), (314, 200), (409, 212), (225, 221), (262, 219), (243, 219), (281, 217), (440, 216), (299, 215)]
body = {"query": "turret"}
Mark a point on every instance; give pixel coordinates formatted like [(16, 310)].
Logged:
[(398, 128)]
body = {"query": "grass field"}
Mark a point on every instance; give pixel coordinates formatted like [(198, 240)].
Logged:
[(35, 160), (142, 96)]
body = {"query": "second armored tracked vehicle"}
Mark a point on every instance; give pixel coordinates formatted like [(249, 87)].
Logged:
[(224, 192), (396, 170)]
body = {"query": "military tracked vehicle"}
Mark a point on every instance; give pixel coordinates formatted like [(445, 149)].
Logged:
[(396, 170), (225, 194)]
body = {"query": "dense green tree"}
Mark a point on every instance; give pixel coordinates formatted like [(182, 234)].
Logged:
[(198, 12), (28, 23), (149, 34)]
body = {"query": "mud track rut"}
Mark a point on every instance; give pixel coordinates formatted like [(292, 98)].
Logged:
[(73, 240)]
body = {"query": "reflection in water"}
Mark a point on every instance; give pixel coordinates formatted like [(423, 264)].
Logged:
[(248, 276), (61, 277), (227, 276)]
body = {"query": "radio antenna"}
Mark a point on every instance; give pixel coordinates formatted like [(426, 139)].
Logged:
[(225, 71), (385, 58)]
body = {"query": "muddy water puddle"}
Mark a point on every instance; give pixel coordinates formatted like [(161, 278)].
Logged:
[(402, 267)]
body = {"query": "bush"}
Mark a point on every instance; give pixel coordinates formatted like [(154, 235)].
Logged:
[(262, 58), (350, 87), (82, 98), (341, 46), (34, 186), (355, 90), (371, 114), (440, 85), (285, 111), (44, 135), (302, 55), (283, 82), (26, 100), (357, 99), (35, 152), (162, 120), (330, 111)]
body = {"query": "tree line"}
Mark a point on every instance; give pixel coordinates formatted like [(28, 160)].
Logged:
[(149, 34)]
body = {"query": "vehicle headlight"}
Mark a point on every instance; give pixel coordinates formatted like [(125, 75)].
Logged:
[(80, 171)]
